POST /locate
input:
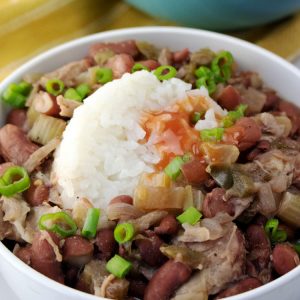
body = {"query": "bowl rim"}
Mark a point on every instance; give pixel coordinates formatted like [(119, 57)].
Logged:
[(89, 39)]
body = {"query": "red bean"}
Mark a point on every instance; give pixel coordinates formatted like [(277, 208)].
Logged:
[(166, 280), (106, 243), (245, 133), (284, 258), (137, 288), (120, 64), (180, 56), (24, 253), (229, 98), (4, 167), (14, 144), (43, 258), (149, 250), (215, 202), (293, 112), (77, 251), (242, 286), (122, 199), (271, 100), (168, 225), (127, 47), (194, 171), (150, 63), (37, 194), (18, 118)]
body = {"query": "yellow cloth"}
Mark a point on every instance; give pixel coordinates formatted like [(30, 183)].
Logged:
[(28, 27)]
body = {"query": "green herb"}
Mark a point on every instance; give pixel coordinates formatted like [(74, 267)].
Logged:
[(55, 86), (212, 135), (165, 72), (190, 216), (173, 168), (118, 266), (123, 232), (104, 75), (139, 67), (91, 222)]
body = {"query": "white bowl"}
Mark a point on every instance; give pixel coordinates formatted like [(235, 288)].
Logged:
[(276, 72)]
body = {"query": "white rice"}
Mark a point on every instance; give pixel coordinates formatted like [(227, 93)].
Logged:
[(100, 156)]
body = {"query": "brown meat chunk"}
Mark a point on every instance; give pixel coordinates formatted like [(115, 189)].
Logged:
[(14, 144), (120, 64), (242, 286), (24, 253), (106, 243), (18, 118), (215, 202), (43, 258), (181, 55), (150, 64), (229, 98), (293, 112), (124, 47), (284, 258), (167, 279)]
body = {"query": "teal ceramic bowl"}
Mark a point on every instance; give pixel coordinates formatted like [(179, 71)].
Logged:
[(221, 15)]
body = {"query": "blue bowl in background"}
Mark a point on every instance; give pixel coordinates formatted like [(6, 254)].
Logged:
[(218, 15)]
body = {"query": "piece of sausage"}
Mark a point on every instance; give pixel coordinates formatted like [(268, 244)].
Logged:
[(127, 47), (229, 98), (120, 64), (106, 244), (46, 104), (242, 286), (37, 193), (195, 171), (245, 133), (166, 280), (77, 251), (168, 225), (24, 253), (181, 55), (149, 250), (215, 202), (43, 258), (122, 199), (150, 64), (284, 258), (17, 117), (14, 144)]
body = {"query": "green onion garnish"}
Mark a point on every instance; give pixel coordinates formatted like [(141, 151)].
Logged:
[(16, 94), (221, 66), (91, 222), (165, 72), (118, 266), (55, 86), (124, 232), (196, 116), (190, 216), (297, 246), (83, 90), (271, 228), (212, 135), (234, 115), (72, 94), (139, 67), (59, 222), (14, 180), (206, 78), (104, 75), (173, 168)]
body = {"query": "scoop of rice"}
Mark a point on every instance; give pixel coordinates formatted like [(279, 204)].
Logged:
[(100, 156)]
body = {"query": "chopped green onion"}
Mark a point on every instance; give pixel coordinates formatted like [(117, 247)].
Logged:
[(91, 222), (279, 236), (55, 86), (212, 135), (104, 75), (72, 94), (297, 246), (83, 90), (190, 216), (165, 72), (173, 168), (118, 266), (221, 66), (139, 67), (59, 222), (187, 157), (16, 94), (203, 72), (124, 232), (271, 226), (234, 115), (208, 82), (196, 116), (14, 180)]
